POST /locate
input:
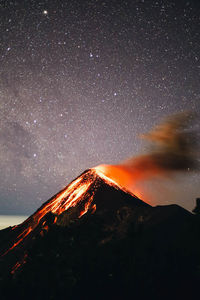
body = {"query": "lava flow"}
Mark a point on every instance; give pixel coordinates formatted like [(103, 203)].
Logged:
[(79, 194), (173, 152)]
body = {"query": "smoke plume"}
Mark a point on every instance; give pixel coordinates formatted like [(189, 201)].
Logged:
[(173, 149)]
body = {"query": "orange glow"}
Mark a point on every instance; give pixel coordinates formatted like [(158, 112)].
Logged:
[(16, 266), (69, 197), (93, 208), (22, 235), (172, 152), (114, 174), (121, 176), (78, 193), (73, 198), (13, 228), (87, 206), (129, 176), (19, 264)]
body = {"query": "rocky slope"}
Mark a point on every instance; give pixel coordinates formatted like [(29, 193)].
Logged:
[(107, 244)]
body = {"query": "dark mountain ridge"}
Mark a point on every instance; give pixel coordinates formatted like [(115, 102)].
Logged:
[(106, 244)]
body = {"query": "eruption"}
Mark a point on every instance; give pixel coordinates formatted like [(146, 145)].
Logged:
[(122, 223), (173, 150), (79, 193)]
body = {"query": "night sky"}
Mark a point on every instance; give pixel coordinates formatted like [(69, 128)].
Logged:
[(80, 80)]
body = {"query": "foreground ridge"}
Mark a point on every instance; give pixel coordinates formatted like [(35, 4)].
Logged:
[(95, 240)]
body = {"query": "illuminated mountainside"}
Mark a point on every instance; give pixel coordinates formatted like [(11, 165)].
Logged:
[(79, 194), (95, 240)]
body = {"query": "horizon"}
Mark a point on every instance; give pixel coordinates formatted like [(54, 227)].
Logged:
[(11, 220)]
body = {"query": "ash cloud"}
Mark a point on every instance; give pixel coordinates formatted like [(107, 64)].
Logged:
[(174, 148), (173, 152)]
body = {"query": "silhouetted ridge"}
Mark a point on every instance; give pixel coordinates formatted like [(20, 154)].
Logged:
[(87, 192), (95, 240)]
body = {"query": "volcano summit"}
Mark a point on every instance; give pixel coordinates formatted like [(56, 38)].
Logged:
[(81, 194), (95, 240)]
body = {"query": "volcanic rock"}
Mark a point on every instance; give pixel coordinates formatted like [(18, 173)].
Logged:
[(95, 240)]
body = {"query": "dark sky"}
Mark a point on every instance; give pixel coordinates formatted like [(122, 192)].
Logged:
[(80, 80)]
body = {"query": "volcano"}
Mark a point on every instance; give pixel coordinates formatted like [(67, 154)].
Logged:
[(80, 195), (95, 239)]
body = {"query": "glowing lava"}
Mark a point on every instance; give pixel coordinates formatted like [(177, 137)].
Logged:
[(79, 194), (123, 177), (128, 177), (173, 152)]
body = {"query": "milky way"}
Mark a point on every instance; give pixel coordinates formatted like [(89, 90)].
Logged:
[(80, 80)]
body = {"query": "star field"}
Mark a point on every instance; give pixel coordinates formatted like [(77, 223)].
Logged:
[(80, 80)]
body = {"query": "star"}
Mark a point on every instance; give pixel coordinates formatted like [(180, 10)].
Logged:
[(86, 85)]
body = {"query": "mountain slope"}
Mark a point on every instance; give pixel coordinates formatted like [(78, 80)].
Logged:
[(82, 194), (108, 244)]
